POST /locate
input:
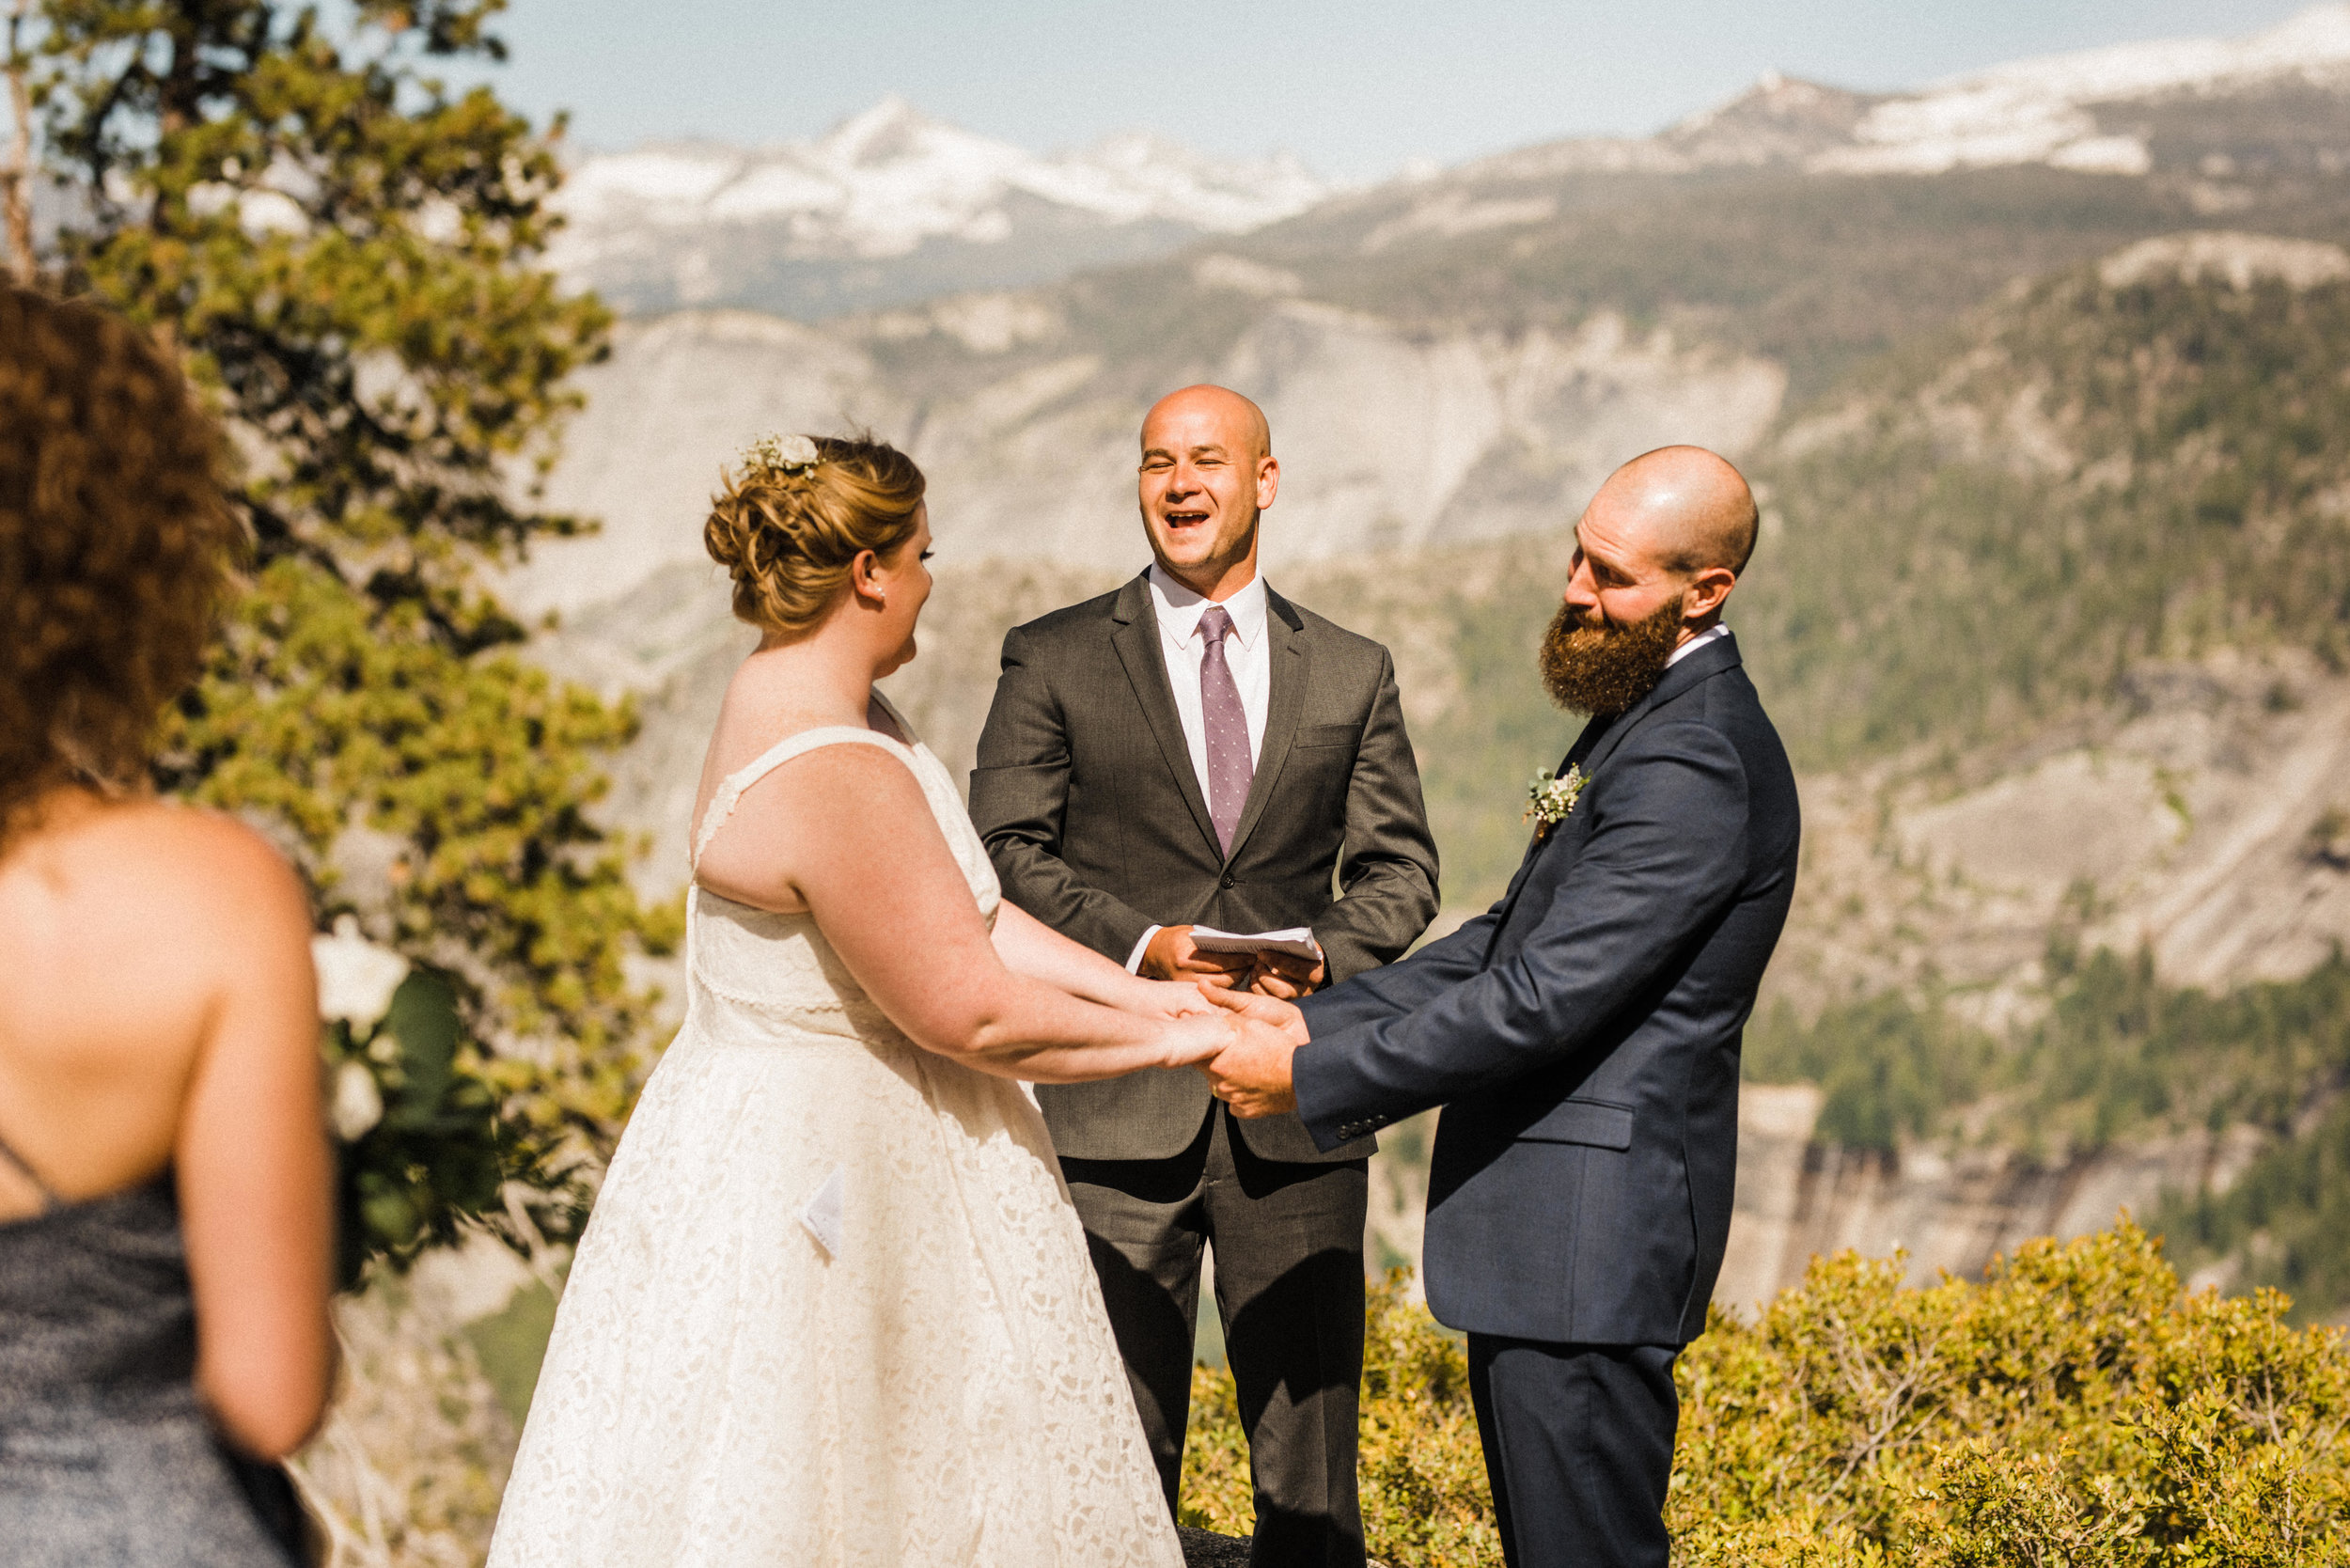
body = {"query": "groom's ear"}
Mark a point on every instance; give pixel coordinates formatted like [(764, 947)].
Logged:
[(1268, 479), (1708, 590)]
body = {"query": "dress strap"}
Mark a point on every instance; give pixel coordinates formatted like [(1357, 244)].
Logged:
[(897, 718), (730, 788), (48, 1194)]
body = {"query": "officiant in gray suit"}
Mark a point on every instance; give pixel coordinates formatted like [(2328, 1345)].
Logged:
[(1194, 750)]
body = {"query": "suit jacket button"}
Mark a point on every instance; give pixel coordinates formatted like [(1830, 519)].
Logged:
[(1229, 880)]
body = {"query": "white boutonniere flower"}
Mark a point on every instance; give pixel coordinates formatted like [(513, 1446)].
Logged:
[(1549, 797)]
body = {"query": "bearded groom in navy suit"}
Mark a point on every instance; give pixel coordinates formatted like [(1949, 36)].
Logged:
[(1583, 1034)]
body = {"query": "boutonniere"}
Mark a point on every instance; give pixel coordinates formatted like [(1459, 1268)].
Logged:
[(1549, 797)]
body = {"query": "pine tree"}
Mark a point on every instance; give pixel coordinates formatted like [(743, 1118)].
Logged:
[(344, 249)]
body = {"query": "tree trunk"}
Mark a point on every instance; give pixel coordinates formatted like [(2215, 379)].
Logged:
[(16, 176)]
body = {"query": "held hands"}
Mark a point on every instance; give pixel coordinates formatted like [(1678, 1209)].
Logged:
[(1169, 998), (1252, 1074), (1197, 1039)]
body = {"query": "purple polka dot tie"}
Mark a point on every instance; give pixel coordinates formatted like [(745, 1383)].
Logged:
[(1229, 765)]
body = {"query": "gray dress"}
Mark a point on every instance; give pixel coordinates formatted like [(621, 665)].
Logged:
[(106, 1458)]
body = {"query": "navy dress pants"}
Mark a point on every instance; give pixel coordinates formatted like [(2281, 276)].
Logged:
[(1579, 1445)]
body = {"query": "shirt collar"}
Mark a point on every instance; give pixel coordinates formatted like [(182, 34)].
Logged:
[(1712, 634), (1180, 608)]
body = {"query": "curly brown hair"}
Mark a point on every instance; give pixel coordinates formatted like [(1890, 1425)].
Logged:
[(787, 532), (116, 546)]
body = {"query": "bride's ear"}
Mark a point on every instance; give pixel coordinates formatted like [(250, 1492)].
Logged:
[(866, 580)]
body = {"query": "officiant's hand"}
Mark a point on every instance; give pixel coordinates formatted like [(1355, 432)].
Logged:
[(1286, 976), (1171, 956)]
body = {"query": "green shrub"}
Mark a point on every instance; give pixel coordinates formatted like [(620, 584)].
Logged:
[(2070, 1409), (1425, 1500), (2118, 1052)]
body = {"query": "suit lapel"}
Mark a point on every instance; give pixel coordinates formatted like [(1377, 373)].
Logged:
[(1599, 740), (1136, 639), (1291, 666), (1710, 660)]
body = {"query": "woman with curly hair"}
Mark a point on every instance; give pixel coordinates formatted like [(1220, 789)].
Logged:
[(165, 1192)]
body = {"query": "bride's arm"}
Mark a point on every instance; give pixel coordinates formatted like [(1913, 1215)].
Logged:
[(1029, 946), (845, 833)]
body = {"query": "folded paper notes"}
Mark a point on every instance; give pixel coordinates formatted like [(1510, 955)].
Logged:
[(1297, 942)]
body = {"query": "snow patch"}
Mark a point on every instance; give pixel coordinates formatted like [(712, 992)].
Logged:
[(2036, 110), (885, 181), (2235, 258)]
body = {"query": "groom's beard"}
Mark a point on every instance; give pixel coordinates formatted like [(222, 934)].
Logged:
[(1601, 670)]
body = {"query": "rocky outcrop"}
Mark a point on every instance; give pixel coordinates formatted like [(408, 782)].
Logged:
[(1950, 1210), (2203, 820)]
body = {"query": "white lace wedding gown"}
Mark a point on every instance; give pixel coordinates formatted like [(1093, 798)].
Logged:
[(936, 1386)]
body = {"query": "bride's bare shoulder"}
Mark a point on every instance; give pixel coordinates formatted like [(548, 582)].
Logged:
[(847, 799)]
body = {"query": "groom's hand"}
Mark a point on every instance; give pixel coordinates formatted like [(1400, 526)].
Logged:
[(1252, 1074), (1269, 1010), (1171, 956)]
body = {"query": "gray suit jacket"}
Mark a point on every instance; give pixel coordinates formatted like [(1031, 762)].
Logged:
[(1086, 796), (1583, 1034)]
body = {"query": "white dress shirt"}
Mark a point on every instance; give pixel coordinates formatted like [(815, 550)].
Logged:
[(1247, 653), (1714, 633)]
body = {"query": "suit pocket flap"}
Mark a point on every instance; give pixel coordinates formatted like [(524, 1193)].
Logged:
[(1592, 1122), (1329, 734)]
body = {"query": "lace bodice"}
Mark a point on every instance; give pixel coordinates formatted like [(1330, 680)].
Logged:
[(754, 970)]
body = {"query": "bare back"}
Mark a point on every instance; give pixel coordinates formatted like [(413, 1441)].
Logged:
[(159, 1012), (111, 919)]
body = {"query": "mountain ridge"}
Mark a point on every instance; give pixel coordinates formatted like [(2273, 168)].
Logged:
[(2037, 110), (891, 206), (817, 223)]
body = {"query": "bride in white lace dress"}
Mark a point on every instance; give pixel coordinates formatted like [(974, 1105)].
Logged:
[(833, 1307)]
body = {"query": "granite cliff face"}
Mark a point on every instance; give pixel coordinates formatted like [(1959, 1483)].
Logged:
[(1388, 440)]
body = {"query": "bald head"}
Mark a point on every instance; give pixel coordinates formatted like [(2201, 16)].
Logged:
[(1688, 508), (1241, 422)]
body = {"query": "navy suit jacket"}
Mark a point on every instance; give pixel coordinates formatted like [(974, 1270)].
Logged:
[(1583, 1034)]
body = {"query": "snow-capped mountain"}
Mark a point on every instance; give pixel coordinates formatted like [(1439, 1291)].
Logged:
[(892, 205), (2040, 110), (2066, 111)]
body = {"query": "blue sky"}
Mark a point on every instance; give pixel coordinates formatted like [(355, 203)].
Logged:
[(1355, 88)]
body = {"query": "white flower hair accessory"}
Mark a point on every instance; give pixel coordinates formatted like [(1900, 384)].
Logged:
[(1549, 798), (790, 455)]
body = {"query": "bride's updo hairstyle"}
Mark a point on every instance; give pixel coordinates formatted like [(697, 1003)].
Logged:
[(115, 547), (795, 513)]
